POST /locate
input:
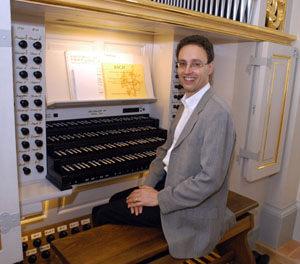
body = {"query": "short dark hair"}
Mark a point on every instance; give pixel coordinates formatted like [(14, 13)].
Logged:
[(200, 41)]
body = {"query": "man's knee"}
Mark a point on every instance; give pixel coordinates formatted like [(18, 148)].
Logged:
[(99, 215)]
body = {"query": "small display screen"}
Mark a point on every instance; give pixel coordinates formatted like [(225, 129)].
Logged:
[(131, 110)]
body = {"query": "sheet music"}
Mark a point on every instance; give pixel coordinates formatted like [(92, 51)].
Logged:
[(125, 81), (85, 83), (84, 76)]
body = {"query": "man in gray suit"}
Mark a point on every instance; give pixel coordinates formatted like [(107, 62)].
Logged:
[(194, 163)]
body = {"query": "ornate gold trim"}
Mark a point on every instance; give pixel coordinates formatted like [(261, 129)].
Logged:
[(276, 14), (174, 16), (274, 162)]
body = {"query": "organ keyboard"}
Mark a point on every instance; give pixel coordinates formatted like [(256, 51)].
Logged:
[(84, 150)]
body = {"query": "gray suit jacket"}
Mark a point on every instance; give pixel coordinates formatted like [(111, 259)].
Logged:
[(193, 208)]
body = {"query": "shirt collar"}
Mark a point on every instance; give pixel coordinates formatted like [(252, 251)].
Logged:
[(191, 102)]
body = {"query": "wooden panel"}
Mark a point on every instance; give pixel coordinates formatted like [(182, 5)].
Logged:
[(131, 244), (125, 244), (246, 223), (111, 244), (272, 90), (239, 204), (169, 15)]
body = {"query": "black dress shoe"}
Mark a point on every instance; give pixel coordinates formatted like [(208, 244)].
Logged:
[(261, 259)]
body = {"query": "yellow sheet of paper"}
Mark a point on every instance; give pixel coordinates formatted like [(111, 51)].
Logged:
[(124, 81)]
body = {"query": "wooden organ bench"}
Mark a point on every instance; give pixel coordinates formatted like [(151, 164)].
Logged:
[(130, 244)]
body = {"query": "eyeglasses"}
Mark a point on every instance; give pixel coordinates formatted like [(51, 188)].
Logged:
[(194, 65)]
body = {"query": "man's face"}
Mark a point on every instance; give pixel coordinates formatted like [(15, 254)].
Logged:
[(193, 70)]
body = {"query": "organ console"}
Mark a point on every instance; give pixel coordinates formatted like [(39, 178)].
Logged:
[(84, 150)]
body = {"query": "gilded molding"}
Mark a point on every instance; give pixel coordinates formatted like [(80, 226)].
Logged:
[(268, 112), (173, 17), (276, 14)]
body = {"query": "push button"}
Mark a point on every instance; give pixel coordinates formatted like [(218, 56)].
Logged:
[(50, 238), (37, 242), (26, 171), (37, 60), (37, 45), (46, 254), (37, 74), (23, 74), (23, 59), (38, 88), (38, 116), (24, 246), (24, 89), (86, 227), (25, 131), (38, 130), (24, 117), (75, 230), (39, 168), (63, 234), (39, 156), (24, 103), (32, 258), (38, 102), (26, 157), (23, 44), (39, 143), (25, 144)]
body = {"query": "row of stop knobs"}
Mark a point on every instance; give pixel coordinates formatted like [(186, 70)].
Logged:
[(46, 253), (25, 117), (38, 155)]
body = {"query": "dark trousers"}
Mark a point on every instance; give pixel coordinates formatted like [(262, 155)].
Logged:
[(117, 212)]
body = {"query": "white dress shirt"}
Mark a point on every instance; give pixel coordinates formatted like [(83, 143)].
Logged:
[(189, 106)]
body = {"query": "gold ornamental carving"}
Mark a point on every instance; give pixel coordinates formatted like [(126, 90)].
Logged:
[(276, 14)]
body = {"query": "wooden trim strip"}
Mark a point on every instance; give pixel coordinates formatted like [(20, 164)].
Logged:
[(155, 12)]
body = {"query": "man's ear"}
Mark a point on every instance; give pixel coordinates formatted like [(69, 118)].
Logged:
[(211, 67)]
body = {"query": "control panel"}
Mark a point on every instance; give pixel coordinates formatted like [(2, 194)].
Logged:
[(36, 243), (29, 85), (177, 91)]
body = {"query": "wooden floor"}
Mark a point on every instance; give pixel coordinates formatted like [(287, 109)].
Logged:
[(289, 253), (291, 249)]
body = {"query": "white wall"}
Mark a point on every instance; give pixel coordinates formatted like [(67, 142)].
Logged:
[(295, 164), (280, 192)]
